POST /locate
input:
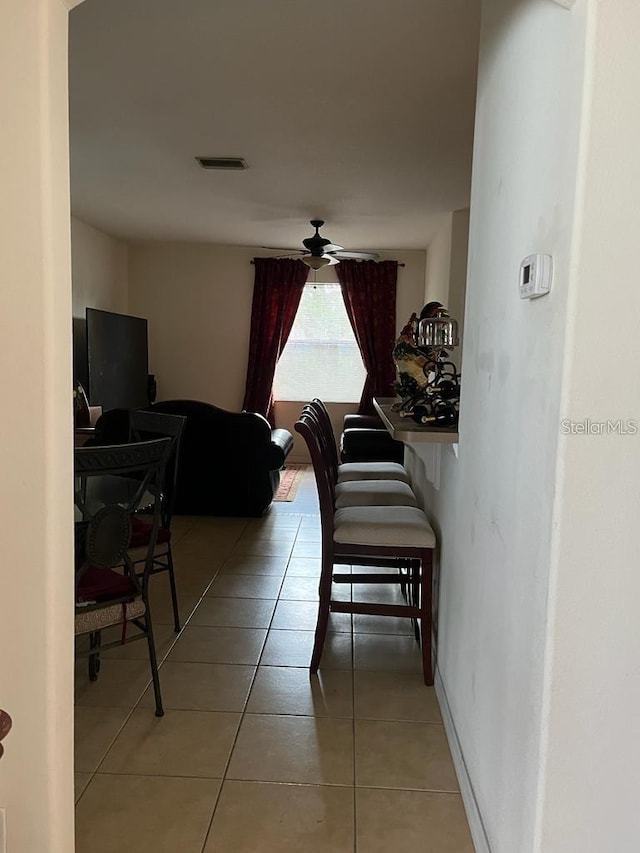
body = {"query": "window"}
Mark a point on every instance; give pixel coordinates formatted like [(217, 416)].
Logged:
[(321, 357)]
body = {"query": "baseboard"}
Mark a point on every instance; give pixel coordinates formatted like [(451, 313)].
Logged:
[(478, 834)]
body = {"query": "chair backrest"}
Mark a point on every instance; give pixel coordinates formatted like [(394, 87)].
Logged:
[(321, 415), (308, 428), (326, 443), (111, 483), (146, 425)]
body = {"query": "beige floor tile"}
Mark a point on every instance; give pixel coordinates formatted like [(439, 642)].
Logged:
[(306, 589), (95, 729), (276, 533), (317, 750), (80, 782), (234, 612), (181, 524), (299, 589), (245, 586), (164, 637), (272, 520), (394, 696), (378, 592), (219, 645), (221, 522), (293, 648), (311, 519), (310, 534), (161, 605), (403, 755), (292, 690), (203, 553), (303, 615), (193, 582), (139, 813), (306, 549), (382, 625), (266, 547), (202, 687), (254, 564), (182, 743), (258, 816), (411, 820), (387, 653), (304, 567), (120, 683), (207, 552)]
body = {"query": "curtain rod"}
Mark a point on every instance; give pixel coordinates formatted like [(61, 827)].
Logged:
[(400, 263)]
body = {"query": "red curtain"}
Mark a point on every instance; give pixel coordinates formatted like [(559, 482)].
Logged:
[(277, 290), (369, 291)]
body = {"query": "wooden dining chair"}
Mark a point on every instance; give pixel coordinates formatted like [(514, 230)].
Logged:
[(369, 535), (111, 483), (346, 471), (144, 426), (358, 492)]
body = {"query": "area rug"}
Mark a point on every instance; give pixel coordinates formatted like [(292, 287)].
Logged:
[(290, 479)]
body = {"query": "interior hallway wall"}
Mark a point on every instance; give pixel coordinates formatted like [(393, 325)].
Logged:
[(36, 495), (591, 764), (494, 508), (99, 270)]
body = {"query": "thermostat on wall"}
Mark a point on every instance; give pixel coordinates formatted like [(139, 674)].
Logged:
[(536, 272)]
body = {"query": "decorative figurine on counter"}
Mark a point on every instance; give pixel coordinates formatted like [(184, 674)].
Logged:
[(427, 382)]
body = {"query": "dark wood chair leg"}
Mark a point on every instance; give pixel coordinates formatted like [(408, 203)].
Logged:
[(426, 616), (323, 612)]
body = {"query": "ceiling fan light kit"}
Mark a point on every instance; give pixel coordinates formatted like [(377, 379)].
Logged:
[(316, 263), (318, 251)]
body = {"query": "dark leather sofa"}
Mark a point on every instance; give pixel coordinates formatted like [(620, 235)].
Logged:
[(229, 461)]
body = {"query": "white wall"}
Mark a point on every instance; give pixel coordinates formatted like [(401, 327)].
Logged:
[(99, 270), (592, 748), (494, 508), (197, 298), (439, 262), (36, 498), (446, 268)]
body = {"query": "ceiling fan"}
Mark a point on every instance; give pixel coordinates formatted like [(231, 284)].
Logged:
[(319, 251)]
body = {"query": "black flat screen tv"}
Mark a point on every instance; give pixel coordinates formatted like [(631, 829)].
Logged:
[(118, 363)]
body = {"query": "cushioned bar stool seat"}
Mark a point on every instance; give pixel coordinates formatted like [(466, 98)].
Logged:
[(372, 471), (404, 526), (374, 493)]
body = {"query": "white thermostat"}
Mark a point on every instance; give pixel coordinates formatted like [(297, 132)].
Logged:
[(536, 272)]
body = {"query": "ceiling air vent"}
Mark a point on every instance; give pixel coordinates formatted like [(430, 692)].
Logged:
[(222, 162)]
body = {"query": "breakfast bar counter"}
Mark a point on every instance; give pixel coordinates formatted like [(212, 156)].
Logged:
[(406, 430)]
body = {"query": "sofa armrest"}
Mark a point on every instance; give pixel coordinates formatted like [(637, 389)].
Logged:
[(281, 444)]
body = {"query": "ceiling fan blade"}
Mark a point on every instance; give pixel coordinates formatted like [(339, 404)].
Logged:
[(365, 256), (287, 249)]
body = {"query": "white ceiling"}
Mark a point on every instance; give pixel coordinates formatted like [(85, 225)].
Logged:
[(359, 112)]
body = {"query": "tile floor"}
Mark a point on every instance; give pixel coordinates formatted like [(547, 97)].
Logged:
[(254, 754)]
